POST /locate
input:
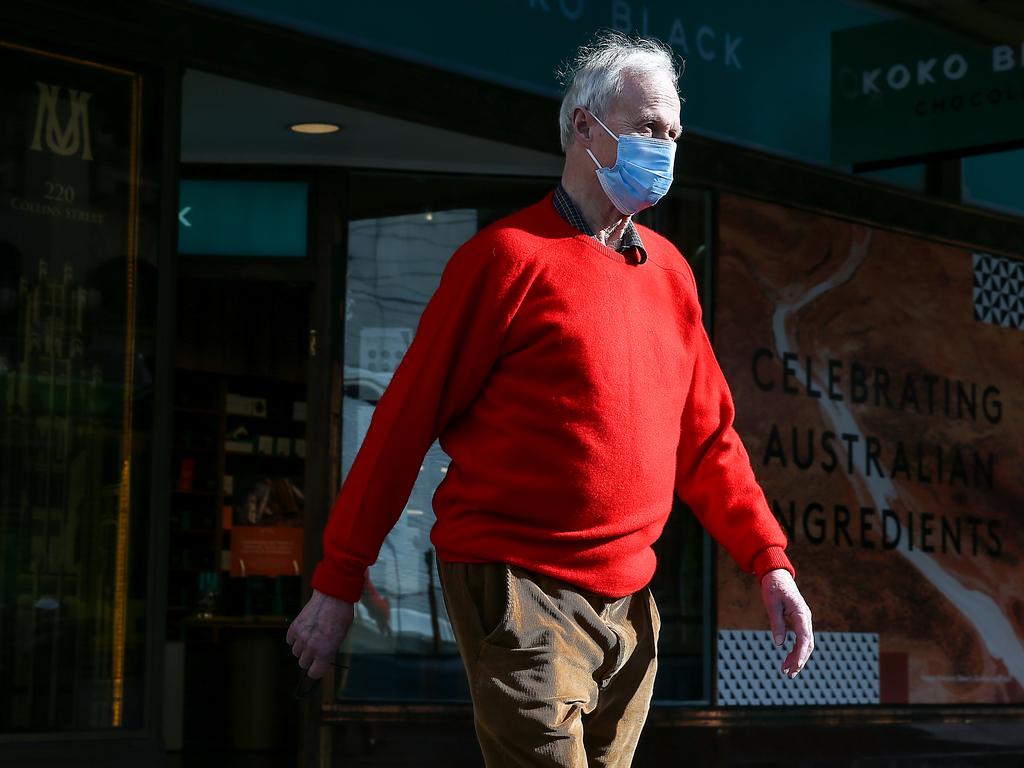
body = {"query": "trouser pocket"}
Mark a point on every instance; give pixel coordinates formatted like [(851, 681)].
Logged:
[(492, 588), (655, 614), (480, 599)]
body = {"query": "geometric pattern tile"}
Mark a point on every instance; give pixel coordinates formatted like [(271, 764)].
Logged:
[(999, 290), (842, 670)]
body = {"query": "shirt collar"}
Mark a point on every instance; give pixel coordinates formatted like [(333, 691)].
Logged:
[(571, 212)]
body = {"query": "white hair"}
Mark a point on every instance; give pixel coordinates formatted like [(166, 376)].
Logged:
[(594, 77)]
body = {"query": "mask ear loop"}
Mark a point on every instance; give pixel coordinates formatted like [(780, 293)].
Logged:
[(609, 133)]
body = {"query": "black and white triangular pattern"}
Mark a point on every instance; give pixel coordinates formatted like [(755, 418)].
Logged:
[(842, 670), (999, 290)]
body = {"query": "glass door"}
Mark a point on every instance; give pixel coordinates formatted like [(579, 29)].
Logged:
[(402, 230)]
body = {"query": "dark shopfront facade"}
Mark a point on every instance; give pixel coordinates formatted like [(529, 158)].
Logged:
[(165, 371)]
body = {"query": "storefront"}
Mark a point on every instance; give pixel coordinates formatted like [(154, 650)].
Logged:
[(200, 307)]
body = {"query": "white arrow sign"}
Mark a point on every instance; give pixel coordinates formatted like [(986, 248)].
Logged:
[(183, 213)]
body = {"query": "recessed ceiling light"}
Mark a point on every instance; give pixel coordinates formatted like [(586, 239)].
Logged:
[(315, 127)]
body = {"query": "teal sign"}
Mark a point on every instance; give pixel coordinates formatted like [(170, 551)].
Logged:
[(901, 89), (994, 181), (756, 72), (243, 218)]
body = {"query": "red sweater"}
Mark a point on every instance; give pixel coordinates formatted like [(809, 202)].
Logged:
[(574, 391)]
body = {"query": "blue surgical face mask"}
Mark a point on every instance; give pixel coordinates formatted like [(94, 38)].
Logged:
[(642, 172)]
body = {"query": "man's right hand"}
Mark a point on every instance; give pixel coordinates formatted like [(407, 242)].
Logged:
[(318, 631)]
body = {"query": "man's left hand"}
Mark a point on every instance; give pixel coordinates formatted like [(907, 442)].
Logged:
[(787, 610)]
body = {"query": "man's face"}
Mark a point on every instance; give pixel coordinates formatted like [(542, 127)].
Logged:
[(647, 106)]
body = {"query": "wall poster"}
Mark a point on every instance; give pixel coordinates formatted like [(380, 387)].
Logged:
[(266, 534), (879, 386)]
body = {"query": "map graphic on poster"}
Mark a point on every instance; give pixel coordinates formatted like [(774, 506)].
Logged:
[(881, 399)]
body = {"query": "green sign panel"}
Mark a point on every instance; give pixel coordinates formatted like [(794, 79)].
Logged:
[(243, 218), (901, 89), (756, 72)]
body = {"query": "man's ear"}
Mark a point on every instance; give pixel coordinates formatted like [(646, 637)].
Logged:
[(581, 126)]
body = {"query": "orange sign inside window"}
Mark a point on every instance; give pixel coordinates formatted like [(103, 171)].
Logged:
[(266, 550)]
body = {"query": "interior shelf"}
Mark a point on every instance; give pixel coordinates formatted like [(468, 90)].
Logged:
[(203, 515)]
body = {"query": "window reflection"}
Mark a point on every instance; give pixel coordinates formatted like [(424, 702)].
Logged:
[(395, 264)]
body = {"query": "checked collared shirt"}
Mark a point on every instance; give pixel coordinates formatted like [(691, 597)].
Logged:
[(569, 211)]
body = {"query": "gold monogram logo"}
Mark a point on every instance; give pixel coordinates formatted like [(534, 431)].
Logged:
[(74, 135)]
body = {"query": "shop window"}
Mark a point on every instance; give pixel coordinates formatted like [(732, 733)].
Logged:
[(403, 230), (77, 331), (993, 181), (237, 516), (682, 582)]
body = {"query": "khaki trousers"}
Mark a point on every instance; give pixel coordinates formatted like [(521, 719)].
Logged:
[(559, 677)]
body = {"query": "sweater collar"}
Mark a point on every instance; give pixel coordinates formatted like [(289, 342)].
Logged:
[(572, 214)]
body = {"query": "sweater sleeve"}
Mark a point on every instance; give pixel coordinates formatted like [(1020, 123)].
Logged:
[(714, 476), (456, 343)]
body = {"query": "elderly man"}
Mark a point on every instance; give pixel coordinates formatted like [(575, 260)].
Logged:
[(565, 368)]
